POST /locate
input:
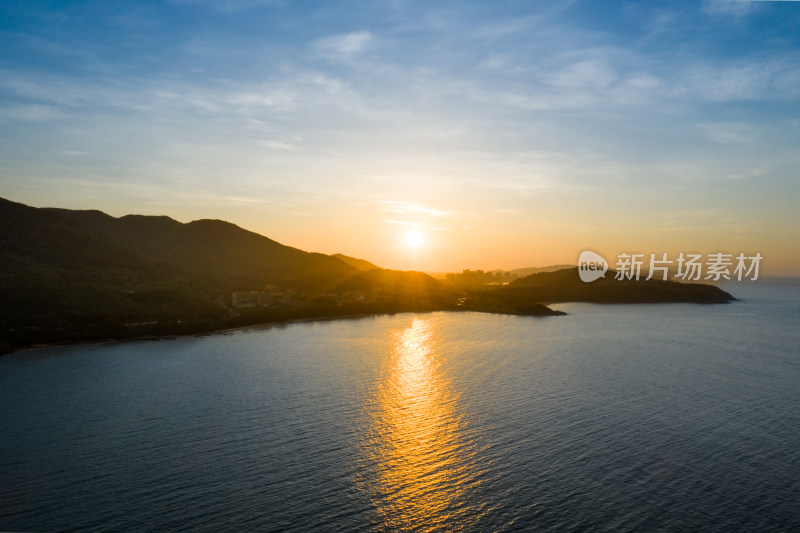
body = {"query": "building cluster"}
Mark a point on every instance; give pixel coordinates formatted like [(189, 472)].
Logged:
[(270, 297), (479, 277), (274, 297)]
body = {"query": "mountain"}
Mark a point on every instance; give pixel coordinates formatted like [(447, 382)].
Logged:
[(83, 275), (135, 249), (60, 266), (521, 296), (521, 272), (360, 264), (565, 286), (394, 282), (69, 275)]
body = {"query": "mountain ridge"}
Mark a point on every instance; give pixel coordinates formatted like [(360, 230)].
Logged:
[(361, 264), (78, 275)]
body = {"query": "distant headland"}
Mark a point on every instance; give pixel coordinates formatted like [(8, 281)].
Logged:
[(82, 276)]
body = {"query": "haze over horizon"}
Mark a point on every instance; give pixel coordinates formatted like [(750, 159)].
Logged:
[(504, 135)]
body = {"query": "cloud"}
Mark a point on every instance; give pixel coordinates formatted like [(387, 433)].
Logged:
[(230, 6), (585, 73), (773, 79), (138, 19), (508, 211), (729, 8), (277, 145), (506, 27), (399, 222), (601, 79), (40, 97), (731, 132), (452, 109), (344, 46), (69, 93), (391, 206), (30, 113)]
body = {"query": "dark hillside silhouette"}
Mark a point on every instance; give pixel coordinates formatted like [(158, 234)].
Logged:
[(69, 275)]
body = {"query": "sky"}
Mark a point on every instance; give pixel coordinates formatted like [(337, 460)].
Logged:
[(508, 134)]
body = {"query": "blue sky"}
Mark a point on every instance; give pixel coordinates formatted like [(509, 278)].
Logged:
[(510, 133)]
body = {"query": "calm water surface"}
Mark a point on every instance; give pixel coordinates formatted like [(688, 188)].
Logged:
[(613, 418)]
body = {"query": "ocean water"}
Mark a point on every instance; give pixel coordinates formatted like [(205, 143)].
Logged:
[(613, 418)]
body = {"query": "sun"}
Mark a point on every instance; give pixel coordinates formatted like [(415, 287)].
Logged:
[(414, 238)]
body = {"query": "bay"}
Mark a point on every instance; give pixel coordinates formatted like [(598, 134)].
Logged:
[(612, 418)]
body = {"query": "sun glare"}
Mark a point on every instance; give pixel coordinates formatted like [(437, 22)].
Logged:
[(413, 238)]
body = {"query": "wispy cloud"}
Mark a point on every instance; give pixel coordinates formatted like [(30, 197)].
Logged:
[(773, 79), (393, 206), (731, 132), (31, 113), (729, 8), (345, 45), (277, 145), (403, 223), (422, 113), (227, 6), (585, 73)]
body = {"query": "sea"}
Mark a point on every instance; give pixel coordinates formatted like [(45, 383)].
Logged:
[(666, 417)]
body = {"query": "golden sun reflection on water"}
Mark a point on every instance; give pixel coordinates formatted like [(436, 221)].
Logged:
[(423, 465)]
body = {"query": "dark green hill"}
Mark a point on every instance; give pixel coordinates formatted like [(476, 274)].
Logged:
[(520, 296), (61, 268), (159, 248), (565, 286)]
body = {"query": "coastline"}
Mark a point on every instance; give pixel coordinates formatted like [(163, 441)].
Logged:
[(224, 331), (250, 327), (538, 309)]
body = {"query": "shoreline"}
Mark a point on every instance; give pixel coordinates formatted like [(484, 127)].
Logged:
[(11, 349), (142, 338), (258, 326)]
